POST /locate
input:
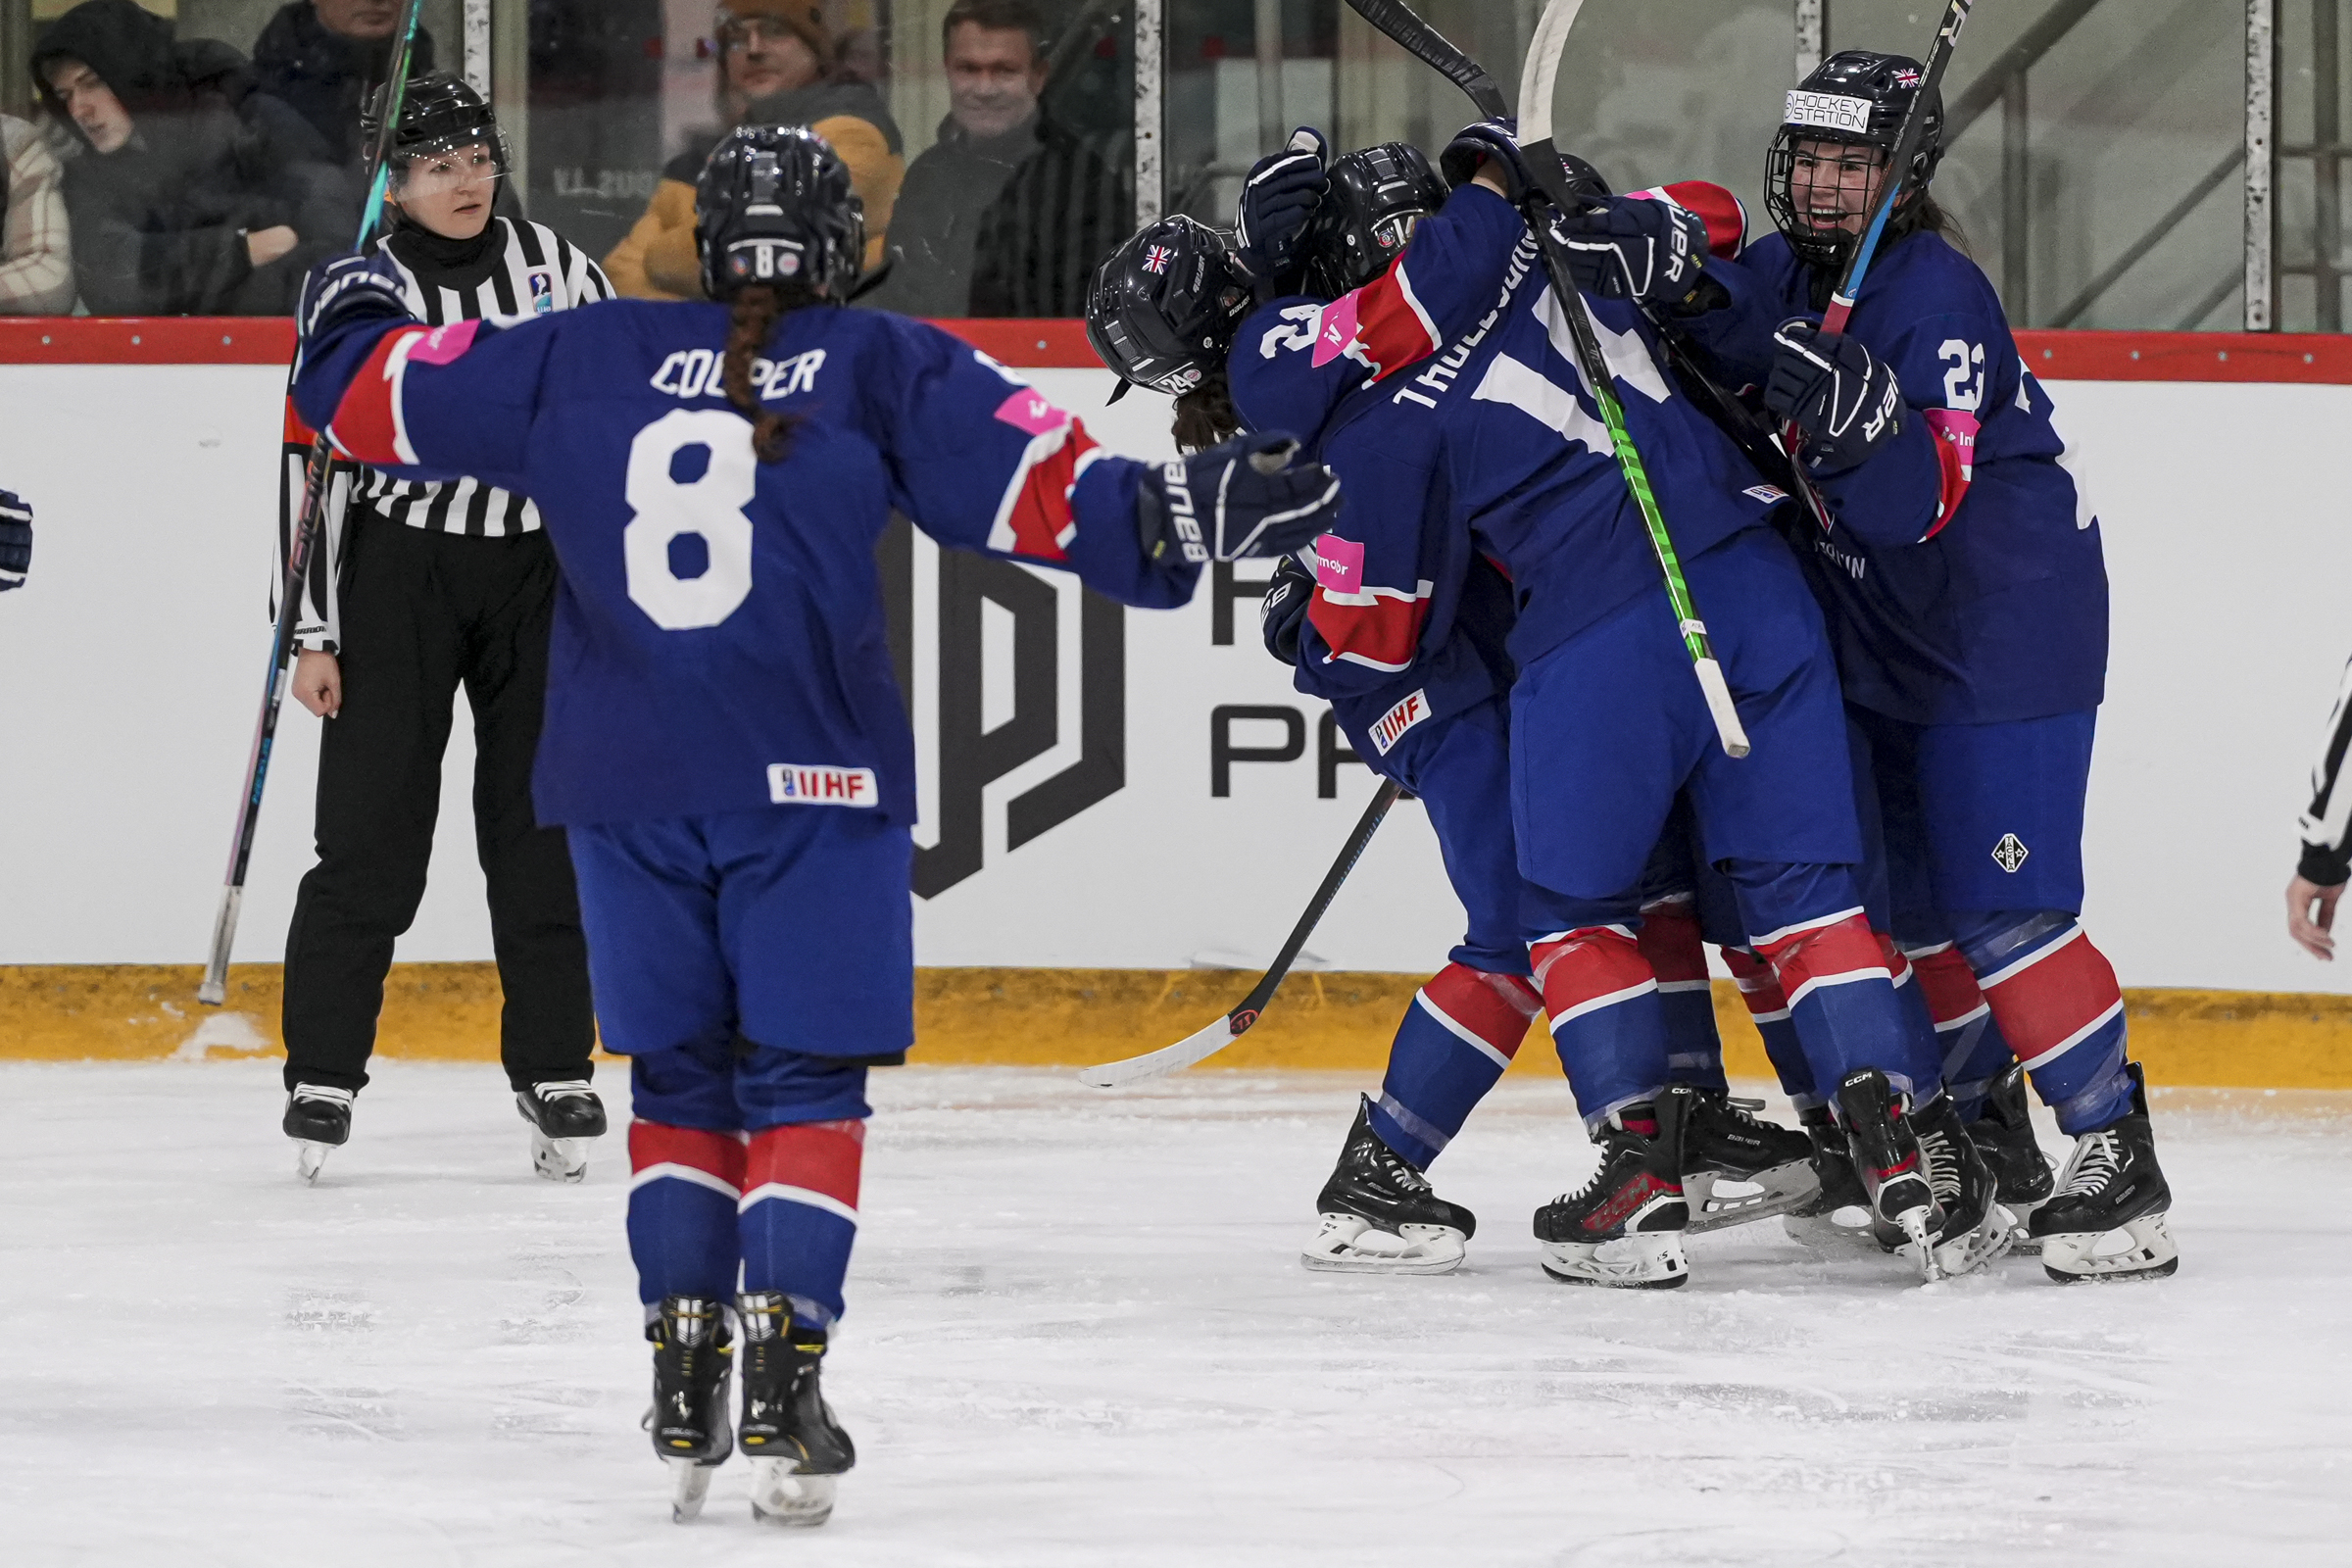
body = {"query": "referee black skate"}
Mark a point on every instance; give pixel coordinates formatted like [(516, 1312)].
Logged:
[(421, 589)]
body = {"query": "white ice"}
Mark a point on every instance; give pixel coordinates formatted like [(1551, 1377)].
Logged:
[(1079, 1334)]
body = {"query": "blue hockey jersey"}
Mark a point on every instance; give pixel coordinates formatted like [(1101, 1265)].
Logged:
[(1964, 581), (1446, 395), (718, 640)]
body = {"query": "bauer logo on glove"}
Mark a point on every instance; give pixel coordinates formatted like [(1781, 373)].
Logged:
[(1240, 500), (1846, 402)]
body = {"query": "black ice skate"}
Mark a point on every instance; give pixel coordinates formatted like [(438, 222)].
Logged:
[(796, 1447), (1624, 1227), (318, 1119), (1971, 1231), (1378, 1214), (1738, 1167), (692, 1355), (2021, 1172), (563, 1113), (1838, 1215), (2107, 1221), (1889, 1160)]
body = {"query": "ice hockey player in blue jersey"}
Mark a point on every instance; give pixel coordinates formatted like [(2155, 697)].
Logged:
[(1463, 343), (1967, 597), (725, 740)]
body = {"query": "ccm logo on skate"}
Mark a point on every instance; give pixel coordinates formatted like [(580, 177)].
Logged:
[(795, 784), (1397, 721)]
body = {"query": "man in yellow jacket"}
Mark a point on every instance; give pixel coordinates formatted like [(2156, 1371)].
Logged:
[(776, 67)]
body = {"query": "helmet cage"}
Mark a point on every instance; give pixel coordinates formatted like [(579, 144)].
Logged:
[(1856, 98)]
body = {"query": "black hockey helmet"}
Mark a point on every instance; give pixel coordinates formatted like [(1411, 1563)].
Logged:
[(438, 114), (1164, 306), (1856, 97), (773, 206), (1373, 198)]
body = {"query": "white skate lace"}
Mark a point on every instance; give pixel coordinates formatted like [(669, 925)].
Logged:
[(1401, 1171), (2097, 1157), (1943, 1166), (325, 1093), (563, 1089)]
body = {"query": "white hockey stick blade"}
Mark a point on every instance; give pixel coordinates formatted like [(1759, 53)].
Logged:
[(1198, 1046), (1728, 727), (1541, 73)]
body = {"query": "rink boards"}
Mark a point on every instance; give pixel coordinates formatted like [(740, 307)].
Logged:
[(1153, 802)]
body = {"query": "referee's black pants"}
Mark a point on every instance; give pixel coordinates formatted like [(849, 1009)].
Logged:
[(423, 614)]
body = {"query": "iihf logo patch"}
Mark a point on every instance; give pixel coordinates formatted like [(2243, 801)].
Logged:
[(543, 293), (1157, 257), (2010, 854)]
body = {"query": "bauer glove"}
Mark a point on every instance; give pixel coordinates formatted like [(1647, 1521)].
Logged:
[(15, 541), (1631, 248), (1278, 200), (1848, 404), (1282, 613), (343, 290), (1236, 501)]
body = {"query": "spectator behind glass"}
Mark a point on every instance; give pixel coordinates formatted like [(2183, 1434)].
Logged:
[(776, 68), (322, 57), (1007, 214), (36, 264), (190, 193)]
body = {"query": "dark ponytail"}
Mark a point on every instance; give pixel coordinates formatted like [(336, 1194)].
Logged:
[(1205, 415), (753, 315)]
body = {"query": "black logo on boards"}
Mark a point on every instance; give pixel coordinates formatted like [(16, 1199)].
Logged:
[(970, 757)]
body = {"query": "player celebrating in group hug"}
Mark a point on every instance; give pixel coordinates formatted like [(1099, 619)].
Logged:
[(1893, 873)]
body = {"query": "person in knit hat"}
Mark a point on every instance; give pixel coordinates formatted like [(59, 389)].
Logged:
[(776, 67)]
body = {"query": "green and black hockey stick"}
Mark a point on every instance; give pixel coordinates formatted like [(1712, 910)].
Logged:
[(215, 989), (1536, 84)]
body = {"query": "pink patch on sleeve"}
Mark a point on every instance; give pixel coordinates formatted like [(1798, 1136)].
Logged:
[(1339, 565), (1030, 411), (1959, 427), (1335, 330), (444, 344)]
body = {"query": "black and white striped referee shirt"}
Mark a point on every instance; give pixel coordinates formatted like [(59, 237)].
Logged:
[(532, 272)]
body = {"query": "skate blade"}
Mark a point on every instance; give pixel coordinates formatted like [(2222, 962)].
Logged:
[(310, 1158), (1842, 1229), (559, 1159), (1914, 1222), (2023, 1243), (1968, 1251), (1718, 1200), (793, 1502), (1651, 1260), (690, 1486), (2142, 1249), (1348, 1243)]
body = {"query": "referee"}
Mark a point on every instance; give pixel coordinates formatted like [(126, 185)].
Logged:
[(421, 589)]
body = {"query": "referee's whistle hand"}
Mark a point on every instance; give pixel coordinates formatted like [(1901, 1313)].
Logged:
[(2311, 916), (319, 683)]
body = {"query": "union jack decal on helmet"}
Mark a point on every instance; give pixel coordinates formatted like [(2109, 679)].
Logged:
[(1157, 257)]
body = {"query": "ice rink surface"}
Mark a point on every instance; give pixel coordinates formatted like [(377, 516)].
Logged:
[(1079, 1334)]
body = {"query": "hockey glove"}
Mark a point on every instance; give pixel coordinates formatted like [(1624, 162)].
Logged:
[(15, 541), (1276, 202), (1628, 247), (1240, 500), (1282, 613), (344, 290), (1827, 384), (1476, 144)]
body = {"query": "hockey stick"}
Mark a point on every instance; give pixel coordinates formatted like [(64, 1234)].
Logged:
[(1536, 84), (1207, 1042), (1898, 165), (1428, 46), (215, 989)]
